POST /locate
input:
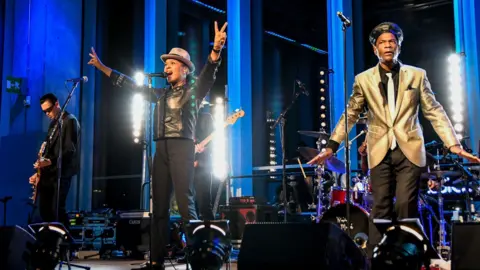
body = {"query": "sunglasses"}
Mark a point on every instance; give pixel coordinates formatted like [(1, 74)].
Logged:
[(50, 109)]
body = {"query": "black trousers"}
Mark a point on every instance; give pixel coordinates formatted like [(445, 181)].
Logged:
[(172, 170), (203, 192), (394, 176), (47, 199)]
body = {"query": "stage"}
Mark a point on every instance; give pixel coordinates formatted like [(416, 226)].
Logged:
[(127, 265)]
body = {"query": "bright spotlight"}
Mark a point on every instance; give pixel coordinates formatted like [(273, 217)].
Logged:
[(211, 243), (137, 116), (139, 78), (404, 246), (51, 245), (456, 86), (219, 142)]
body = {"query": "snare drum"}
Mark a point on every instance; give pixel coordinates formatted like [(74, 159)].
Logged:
[(339, 196)]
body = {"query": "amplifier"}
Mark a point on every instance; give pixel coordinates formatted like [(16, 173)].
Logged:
[(465, 245), (239, 215), (133, 232), (242, 200)]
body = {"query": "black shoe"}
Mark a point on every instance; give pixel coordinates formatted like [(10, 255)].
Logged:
[(182, 259), (146, 266)]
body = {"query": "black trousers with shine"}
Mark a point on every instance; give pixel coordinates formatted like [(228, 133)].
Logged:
[(172, 171), (395, 177)]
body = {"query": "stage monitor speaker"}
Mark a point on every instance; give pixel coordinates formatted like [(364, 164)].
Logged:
[(299, 246), (465, 246), (15, 244)]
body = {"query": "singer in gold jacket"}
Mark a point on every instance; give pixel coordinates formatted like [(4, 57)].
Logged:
[(392, 93)]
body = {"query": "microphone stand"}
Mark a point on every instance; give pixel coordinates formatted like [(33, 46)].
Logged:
[(345, 25), (59, 126), (281, 120), (467, 176)]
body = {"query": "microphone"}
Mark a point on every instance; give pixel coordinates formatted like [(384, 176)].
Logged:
[(157, 74), (302, 86), (344, 19), (76, 80)]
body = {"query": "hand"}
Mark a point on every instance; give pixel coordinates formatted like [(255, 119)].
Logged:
[(199, 148), (362, 150), (33, 180), (44, 162), (220, 37), (95, 61), (457, 150), (195, 163), (320, 158), (433, 185)]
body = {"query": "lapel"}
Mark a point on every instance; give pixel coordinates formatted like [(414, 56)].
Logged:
[(380, 92), (402, 86)]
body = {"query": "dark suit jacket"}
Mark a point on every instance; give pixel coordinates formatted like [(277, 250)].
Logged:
[(70, 149)]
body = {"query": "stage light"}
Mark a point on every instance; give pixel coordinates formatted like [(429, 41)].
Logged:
[(219, 141), (139, 78), (46, 251), (403, 246), (324, 100), (272, 142), (456, 87), (210, 244), (137, 116)]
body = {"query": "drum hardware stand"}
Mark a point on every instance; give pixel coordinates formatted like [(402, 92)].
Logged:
[(431, 214), (319, 172), (443, 249), (352, 140)]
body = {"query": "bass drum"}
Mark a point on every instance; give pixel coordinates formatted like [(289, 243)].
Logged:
[(358, 222)]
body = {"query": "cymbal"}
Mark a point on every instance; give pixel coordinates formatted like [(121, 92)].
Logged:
[(315, 134), (333, 164), (438, 174)]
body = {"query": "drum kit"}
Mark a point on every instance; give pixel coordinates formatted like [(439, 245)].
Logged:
[(331, 203)]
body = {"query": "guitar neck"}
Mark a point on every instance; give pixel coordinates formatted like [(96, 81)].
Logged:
[(210, 137)]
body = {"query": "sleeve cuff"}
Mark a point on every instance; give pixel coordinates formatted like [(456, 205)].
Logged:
[(333, 145), (210, 60), (117, 78)]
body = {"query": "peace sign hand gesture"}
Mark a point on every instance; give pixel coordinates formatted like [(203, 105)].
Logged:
[(220, 37), (94, 61)]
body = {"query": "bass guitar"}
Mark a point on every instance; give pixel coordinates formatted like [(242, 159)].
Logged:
[(230, 121)]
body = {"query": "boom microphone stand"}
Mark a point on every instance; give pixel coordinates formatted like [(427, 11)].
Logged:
[(59, 126), (281, 120), (345, 24)]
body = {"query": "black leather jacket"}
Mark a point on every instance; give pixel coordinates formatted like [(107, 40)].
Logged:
[(176, 109)]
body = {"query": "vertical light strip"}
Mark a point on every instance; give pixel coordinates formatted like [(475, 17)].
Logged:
[(87, 116), (336, 63), (272, 150), (467, 35), (155, 45), (324, 102), (219, 141), (240, 92), (457, 92)]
